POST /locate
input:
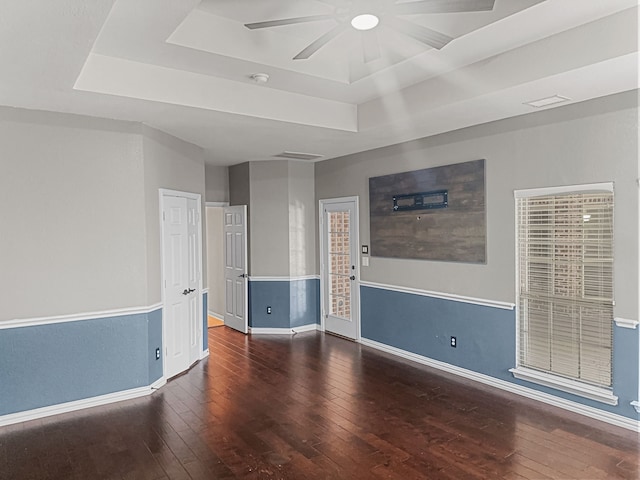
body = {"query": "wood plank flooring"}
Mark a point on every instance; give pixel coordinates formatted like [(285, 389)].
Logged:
[(214, 322), (315, 406)]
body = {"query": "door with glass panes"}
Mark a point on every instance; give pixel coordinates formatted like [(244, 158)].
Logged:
[(339, 269)]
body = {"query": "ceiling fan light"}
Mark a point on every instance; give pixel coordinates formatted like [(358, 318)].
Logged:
[(365, 21)]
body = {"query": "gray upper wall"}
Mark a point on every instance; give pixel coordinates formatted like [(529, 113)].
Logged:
[(216, 183), (80, 211), (590, 142), (302, 219), (269, 219), (73, 235), (239, 184), (281, 215), (172, 164)]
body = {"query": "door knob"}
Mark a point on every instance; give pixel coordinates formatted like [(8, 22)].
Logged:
[(352, 277), (244, 275)]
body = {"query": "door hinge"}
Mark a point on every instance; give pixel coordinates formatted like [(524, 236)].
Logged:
[(164, 216)]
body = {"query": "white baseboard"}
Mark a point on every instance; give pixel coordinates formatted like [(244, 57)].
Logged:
[(204, 354), (161, 382), (283, 331), (270, 331), (80, 404), (217, 316), (306, 328), (575, 407)]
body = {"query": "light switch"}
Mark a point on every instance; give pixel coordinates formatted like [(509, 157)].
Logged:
[(365, 261)]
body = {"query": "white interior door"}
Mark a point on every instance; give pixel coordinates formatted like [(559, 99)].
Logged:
[(235, 268), (181, 282), (193, 278), (339, 267)]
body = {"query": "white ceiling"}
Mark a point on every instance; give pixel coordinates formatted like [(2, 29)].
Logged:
[(183, 66)]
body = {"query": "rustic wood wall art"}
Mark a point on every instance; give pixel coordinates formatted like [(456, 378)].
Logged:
[(431, 214)]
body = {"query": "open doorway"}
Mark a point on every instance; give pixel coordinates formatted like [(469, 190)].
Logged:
[(215, 263)]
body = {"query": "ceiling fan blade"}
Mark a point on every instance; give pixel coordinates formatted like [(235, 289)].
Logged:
[(426, 35), (287, 21), (370, 46), (443, 6), (321, 42)]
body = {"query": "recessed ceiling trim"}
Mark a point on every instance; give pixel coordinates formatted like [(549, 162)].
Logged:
[(125, 78)]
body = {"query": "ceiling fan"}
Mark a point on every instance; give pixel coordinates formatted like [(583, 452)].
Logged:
[(366, 15)]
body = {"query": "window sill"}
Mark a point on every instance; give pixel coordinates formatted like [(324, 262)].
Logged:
[(598, 394), (625, 323)]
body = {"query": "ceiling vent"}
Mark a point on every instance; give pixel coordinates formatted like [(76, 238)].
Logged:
[(299, 156), (545, 102)]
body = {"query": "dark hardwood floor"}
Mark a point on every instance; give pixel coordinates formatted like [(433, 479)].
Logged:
[(315, 406)]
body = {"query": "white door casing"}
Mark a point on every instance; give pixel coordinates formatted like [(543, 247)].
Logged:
[(339, 267), (235, 268), (181, 280)]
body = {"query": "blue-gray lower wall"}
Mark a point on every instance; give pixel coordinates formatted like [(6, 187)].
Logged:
[(304, 301), (486, 340), (293, 303), (205, 321), (50, 364), (154, 339)]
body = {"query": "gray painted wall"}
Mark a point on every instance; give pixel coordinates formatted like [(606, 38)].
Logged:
[(176, 165), (215, 260), (591, 142), (302, 219), (80, 200), (217, 183), (281, 215), (239, 184), (269, 218), (72, 209)]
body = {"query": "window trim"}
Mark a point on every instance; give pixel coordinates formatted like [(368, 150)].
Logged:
[(558, 382), (599, 394), (545, 191)]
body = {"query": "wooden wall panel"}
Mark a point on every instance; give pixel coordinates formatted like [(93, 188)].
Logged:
[(456, 233)]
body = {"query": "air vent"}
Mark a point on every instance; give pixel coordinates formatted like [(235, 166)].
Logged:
[(545, 102), (298, 156)]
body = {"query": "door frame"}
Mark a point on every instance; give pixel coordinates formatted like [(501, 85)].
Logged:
[(162, 193), (355, 294), (218, 276)]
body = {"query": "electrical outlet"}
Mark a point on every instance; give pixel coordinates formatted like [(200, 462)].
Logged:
[(454, 342), (269, 310), (157, 353)]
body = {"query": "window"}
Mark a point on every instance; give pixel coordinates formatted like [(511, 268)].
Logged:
[(565, 287)]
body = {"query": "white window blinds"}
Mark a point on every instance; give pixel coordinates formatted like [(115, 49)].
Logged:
[(565, 275)]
